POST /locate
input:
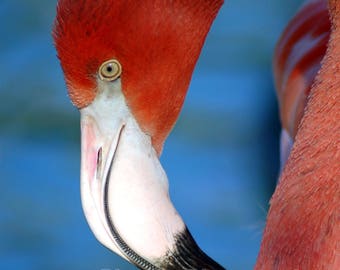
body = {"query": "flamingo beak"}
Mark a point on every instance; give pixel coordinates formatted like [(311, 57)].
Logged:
[(124, 189)]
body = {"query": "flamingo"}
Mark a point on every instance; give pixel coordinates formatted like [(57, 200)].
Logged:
[(297, 59), (127, 67), (303, 223)]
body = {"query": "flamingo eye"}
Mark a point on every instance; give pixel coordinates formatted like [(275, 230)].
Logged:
[(110, 70)]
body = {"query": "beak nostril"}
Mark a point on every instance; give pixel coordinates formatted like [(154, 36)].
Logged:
[(99, 161)]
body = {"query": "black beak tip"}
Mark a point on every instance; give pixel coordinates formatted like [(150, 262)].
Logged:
[(188, 255)]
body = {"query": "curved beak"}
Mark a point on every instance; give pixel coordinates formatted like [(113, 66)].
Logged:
[(124, 189)]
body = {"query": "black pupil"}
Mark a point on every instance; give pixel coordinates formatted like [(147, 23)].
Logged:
[(109, 69)]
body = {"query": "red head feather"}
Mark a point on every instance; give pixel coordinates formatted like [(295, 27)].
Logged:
[(156, 42)]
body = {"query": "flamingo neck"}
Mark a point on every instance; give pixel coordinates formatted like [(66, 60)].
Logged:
[(302, 230)]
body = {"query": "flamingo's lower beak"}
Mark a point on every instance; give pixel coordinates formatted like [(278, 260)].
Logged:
[(124, 190)]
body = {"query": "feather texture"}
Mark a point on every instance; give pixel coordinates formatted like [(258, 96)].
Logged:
[(156, 42)]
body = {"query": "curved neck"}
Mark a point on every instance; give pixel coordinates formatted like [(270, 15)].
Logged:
[(302, 230)]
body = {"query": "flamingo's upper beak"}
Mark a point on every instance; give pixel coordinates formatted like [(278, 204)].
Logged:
[(124, 189)]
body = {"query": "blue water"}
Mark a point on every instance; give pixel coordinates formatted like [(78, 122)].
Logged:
[(221, 158)]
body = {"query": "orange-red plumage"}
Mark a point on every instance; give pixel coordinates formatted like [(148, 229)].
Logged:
[(303, 224), (156, 42), (297, 60)]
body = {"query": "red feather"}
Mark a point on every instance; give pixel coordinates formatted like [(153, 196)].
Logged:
[(156, 42), (297, 60)]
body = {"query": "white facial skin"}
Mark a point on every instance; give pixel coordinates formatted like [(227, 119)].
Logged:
[(129, 177)]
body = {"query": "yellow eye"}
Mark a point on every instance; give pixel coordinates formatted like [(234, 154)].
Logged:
[(110, 70)]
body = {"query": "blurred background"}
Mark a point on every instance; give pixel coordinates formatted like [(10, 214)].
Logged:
[(221, 158)]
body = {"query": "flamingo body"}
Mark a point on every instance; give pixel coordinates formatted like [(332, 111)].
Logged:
[(297, 60), (302, 230)]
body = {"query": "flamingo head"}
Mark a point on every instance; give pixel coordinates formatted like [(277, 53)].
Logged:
[(127, 66)]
